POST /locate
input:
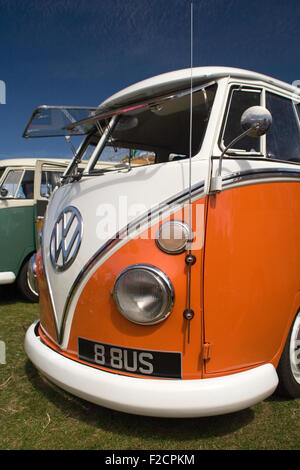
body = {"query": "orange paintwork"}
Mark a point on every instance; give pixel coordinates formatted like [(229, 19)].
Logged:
[(245, 286), (252, 274), (46, 312)]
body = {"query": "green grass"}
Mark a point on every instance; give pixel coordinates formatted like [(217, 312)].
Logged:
[(35, 414)]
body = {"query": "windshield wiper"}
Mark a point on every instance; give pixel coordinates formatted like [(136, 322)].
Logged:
[(117, 166), (96, 172)]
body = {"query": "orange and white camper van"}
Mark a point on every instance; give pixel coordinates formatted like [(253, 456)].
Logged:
[(169, 280)]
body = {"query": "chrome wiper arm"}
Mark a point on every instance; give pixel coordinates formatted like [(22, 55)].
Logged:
[(117, 166), (70, 171), (102, 171), (101, 144)]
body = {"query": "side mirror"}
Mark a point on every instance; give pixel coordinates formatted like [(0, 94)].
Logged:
[(255, 121), (3, 192)]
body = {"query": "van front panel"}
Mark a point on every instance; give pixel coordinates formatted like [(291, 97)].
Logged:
[(92, 316)]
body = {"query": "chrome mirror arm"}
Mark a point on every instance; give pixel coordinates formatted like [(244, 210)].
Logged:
[(257, 121), (216, 181)]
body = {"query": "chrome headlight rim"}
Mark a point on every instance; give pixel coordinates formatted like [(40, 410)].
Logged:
[(162, 279), (188, 236)]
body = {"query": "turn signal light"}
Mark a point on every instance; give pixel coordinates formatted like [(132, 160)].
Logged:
[(173, 237)]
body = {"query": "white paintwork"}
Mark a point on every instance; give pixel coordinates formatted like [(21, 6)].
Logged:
[(8, 203), (7, 278), (163, 398), (34, 164), (180, 79)]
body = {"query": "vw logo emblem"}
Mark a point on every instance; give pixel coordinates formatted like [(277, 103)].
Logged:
[(66, 238)]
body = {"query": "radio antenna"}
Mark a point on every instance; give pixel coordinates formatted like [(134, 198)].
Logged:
[(190, 259), (191, 123)]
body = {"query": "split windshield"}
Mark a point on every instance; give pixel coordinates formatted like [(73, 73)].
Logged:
[(153, 133)]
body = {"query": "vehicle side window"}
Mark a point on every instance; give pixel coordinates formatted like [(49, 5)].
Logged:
[(298, 109), (239, 101), (50, 179), (283, 138), (1, 172), (12, 181), (25, 190)]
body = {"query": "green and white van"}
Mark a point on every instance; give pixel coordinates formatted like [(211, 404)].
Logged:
[(25, 187)]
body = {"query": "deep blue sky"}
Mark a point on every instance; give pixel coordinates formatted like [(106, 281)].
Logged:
[(79, 52)]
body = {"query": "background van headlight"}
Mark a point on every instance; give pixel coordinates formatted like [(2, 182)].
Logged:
[(31, 276), (143, 294)]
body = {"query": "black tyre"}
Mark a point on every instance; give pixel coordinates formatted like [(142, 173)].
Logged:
[(26, 289), (289, 366)]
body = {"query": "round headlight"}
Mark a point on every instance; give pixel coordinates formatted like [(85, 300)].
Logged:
[(173, 236), (143, 294)]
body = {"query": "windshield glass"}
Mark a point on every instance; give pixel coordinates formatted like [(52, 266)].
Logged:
[(159, 132), (49, 121)]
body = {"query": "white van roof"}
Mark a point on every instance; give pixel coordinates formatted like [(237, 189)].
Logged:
[(181, 79)]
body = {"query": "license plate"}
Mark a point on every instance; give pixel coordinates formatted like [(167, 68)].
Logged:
[(135, 361)]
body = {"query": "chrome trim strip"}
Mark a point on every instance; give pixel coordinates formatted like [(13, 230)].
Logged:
[(262, 174)]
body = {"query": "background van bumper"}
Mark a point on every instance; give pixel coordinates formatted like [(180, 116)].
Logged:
[(7, 278)]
